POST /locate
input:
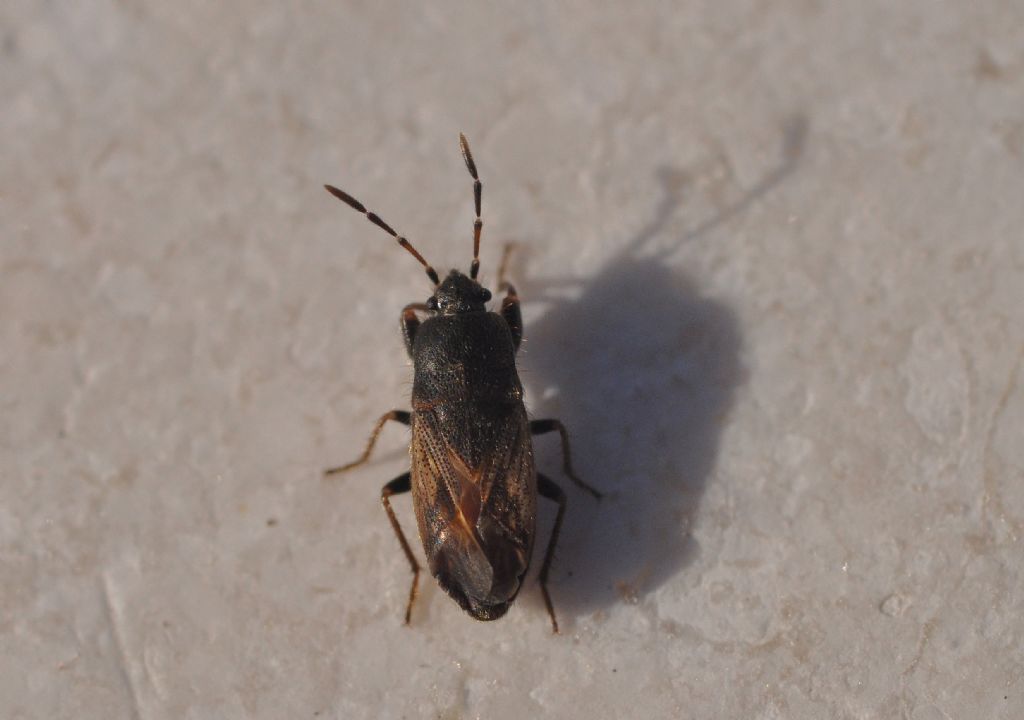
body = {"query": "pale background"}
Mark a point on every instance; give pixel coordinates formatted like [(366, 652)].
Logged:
[(772, 260)]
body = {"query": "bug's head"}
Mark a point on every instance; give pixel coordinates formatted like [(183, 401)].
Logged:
[(458, 294)]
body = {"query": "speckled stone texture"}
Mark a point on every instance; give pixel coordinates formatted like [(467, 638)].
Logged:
[(772, 261)]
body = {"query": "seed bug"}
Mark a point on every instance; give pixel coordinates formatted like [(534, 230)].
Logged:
[(472, 476)]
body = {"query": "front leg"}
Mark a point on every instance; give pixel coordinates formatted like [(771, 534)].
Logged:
[(411, 323), (510, 303), (510, 311)]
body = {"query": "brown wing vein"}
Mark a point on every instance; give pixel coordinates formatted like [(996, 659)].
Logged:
[(461, 492)]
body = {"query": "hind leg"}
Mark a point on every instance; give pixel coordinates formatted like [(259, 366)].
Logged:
[(539, 427), (399, 485)]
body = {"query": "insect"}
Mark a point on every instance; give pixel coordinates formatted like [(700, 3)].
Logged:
[(472, 476)]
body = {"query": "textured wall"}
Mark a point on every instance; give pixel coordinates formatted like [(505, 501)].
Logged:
[(773, 267)]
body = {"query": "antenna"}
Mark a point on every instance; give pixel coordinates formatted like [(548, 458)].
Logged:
[(478, 224), (375, 219)]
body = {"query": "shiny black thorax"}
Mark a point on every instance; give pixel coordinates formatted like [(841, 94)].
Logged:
[(464, 370)]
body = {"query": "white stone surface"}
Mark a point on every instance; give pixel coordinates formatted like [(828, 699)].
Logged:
[(773, 267)]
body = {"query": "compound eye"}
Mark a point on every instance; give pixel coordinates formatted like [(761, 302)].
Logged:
[(432, 303), (485, 295)]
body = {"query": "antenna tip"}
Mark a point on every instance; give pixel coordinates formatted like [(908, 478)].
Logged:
[(467, 156), (345, 198)]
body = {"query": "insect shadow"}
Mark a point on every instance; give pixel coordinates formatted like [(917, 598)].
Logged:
[(644, 367)]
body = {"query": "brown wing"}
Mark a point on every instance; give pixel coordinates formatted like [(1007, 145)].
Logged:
[(478, 515)]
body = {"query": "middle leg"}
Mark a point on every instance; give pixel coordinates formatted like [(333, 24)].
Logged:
[(402, 416)]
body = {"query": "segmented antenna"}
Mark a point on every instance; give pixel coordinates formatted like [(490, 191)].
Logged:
[(478, 224), (376, 220)]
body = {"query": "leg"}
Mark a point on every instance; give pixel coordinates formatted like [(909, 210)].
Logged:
[(539, 427), (510, 311), (411, 323), (402, 416), (549, 490), (510, 303), (506, 253), (402, 484)]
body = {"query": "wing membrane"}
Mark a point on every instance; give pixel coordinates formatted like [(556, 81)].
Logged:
[(460, 474)]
